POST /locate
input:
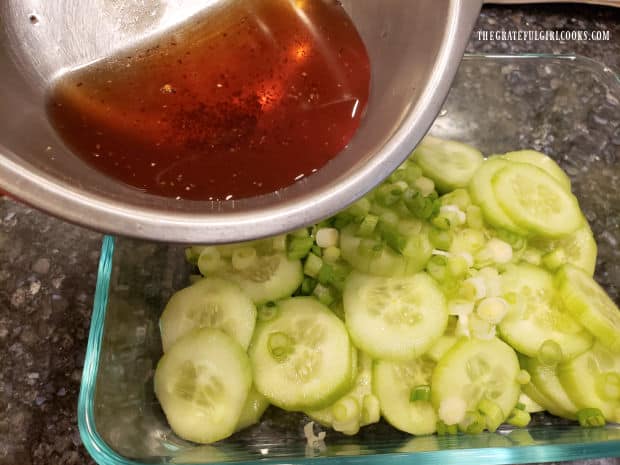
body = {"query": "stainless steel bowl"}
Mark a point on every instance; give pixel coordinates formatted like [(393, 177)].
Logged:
[(414, 46)]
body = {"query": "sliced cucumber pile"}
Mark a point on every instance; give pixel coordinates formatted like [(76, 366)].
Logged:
[(456, 296)]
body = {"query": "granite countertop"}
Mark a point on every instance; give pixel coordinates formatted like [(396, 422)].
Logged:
[(48, 272)]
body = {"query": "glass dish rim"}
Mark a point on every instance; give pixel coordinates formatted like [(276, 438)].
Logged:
[(104, 455)]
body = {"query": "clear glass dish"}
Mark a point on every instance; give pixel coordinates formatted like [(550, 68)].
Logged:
[(568, 107)]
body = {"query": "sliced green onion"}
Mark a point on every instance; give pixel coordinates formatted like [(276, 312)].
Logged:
[(412, 172), (209, 260), (608, 385), (492, 281), (443, 429), (468, 240), (424, 185), (550, 353), (555, 259), (532, 256), (492, 309), (398, 175), (516, 241), (301, 232), (388, 194), (590, 417), (452, 410), (457, 266), (324, 294), (481, 329), (495, 251), (342, 220), (279, 243), (267, 311), (467, 257), (371, 410), (368, 225), (458, 197), (417, 246), (299, 247), (349, 428), (334, 274), (346, 409), (460, 307), (327, 237), (313, 265), (474, 217), (473, 289), (462, 326), (326, 274), (389, 217), (337, 308), (316, 250), (440, 238), (331, 254), (308, 285), (243, 258), (280, 346), (370, 248), (454, 214), (360, 208), (492, 412), (523, 377), (191, 256), (441, 222), (420, 393), (420, 206), (472, 423), (437, 267), (519, 418), (392, 237)]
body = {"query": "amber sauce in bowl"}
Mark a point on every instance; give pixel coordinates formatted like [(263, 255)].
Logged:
[(244, 101)]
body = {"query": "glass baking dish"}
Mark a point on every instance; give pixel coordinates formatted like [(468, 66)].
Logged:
[(568, 107)]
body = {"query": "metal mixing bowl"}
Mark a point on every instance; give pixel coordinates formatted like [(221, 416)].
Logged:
[(414, 46)]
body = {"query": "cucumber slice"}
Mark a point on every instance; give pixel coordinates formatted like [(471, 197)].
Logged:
[(393, 383), (449, 164), (441, 346), (543, 162), (546, 381), (533, 393), (535, 201), (592, 380), (301, 357), (588, 302), (208, 303), (253, 409), (481, 192), (359, 407), (474, 370), (578, 249), (531, 406), (394, 318), (386, 262), (202, 383), (534, 315), (271, 277)]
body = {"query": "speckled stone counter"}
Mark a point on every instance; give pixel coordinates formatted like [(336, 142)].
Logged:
[(48, 272)]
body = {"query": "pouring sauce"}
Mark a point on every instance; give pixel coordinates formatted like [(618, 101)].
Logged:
[(253, 97)]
